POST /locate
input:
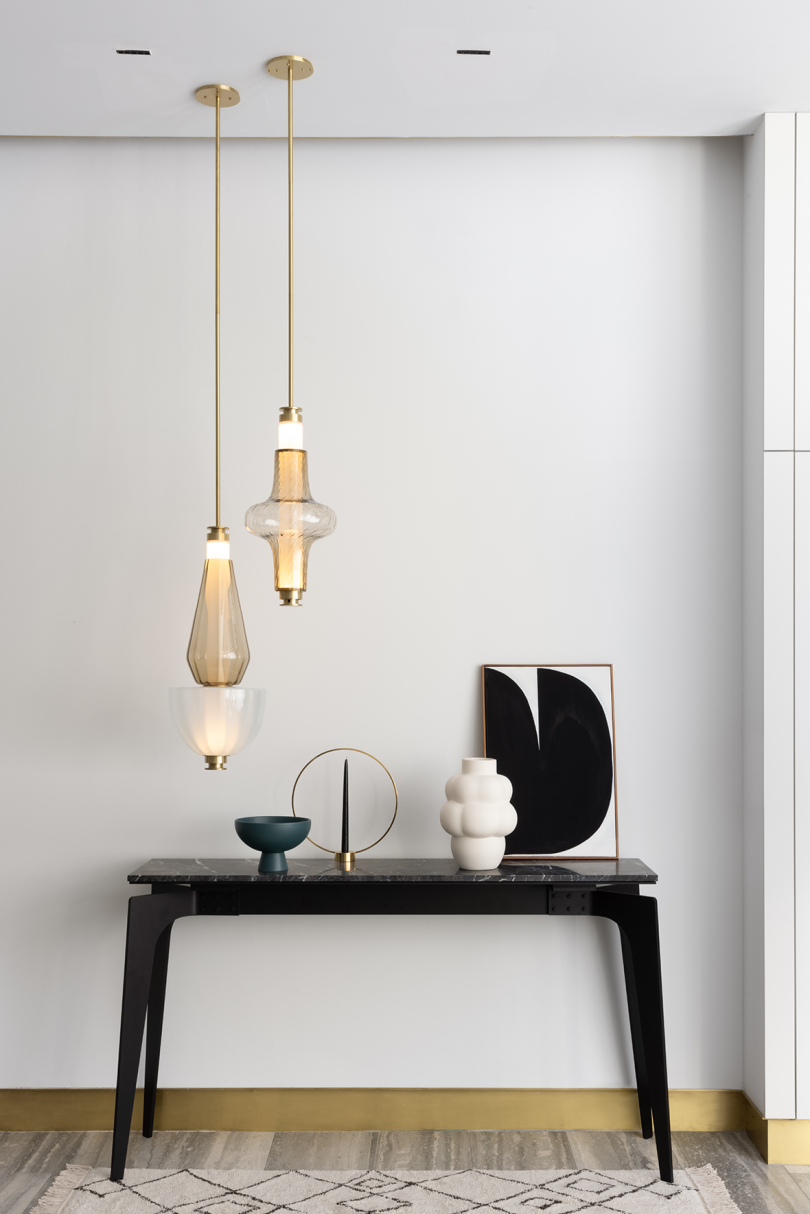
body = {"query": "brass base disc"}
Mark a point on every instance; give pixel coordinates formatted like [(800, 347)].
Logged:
[(344, 859), (301, 67), (208, 95)]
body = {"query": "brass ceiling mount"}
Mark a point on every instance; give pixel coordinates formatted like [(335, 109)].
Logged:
[(279, 66), (208, 95)]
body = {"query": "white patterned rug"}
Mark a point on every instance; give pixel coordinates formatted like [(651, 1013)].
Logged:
[(80, 1190)]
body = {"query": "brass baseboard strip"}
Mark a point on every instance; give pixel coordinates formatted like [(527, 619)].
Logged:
[(778, 1140), (371, 1109), (756, 1127)]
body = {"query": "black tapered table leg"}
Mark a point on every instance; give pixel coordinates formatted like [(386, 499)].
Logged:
[(639, 1060), (637, 920), (148, 919), (154, 1028)]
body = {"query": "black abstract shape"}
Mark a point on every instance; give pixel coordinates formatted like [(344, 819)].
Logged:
[(562, 787)]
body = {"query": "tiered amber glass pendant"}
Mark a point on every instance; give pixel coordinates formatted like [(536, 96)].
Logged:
[(290, 519), (217, 718)]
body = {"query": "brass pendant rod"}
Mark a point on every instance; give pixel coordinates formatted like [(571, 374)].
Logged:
[(216, 320), (290, 229), (221, 96)]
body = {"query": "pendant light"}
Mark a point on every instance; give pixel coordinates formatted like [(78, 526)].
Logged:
[(290, 520), (217, 718)]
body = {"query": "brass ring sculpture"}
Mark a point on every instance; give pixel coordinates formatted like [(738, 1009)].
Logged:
[(346, 859)]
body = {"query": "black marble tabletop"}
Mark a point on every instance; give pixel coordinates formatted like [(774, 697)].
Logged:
[(199, 872)]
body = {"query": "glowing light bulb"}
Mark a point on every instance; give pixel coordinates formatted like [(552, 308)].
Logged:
[(290, 436)]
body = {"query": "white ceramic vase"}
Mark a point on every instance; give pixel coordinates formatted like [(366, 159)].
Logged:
[(477, 814)]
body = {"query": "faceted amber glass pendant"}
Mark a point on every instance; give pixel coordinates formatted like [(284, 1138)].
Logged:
[(218, 651)]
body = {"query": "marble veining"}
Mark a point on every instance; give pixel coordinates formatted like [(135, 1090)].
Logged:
[(202, 872)]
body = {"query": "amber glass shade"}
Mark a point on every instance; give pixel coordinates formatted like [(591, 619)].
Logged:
[(218, 651), (290, 521)]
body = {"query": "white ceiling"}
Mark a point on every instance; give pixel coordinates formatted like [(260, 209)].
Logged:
[(390, 68)]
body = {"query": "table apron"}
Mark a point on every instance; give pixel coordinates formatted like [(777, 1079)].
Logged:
[(398, 898)]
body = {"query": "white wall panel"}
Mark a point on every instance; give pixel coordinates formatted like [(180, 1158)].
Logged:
[(802, 611), (780, 1093), (780, 138), (753, 908), (802, 326), (777, 598), (802, 783)]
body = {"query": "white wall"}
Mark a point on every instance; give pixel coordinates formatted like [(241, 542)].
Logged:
[(520, 368)]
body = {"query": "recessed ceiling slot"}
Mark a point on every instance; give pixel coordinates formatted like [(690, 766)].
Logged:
[(131, 52), (473, 52)]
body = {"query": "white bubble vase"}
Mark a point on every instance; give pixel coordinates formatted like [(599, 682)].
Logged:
[(478, 815)]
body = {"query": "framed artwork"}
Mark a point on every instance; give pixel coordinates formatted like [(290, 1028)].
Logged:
[(551, 729)]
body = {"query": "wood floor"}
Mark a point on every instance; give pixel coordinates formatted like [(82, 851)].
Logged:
[(29, 1161)]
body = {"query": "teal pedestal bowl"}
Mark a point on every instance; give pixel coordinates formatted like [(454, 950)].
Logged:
[(272, 837)]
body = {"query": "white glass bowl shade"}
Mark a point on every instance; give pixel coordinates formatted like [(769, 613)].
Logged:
[(217, 720)]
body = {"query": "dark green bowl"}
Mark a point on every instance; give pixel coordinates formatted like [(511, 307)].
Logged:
[(272, 837)]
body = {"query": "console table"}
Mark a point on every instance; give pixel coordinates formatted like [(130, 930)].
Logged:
[(608, 888)]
